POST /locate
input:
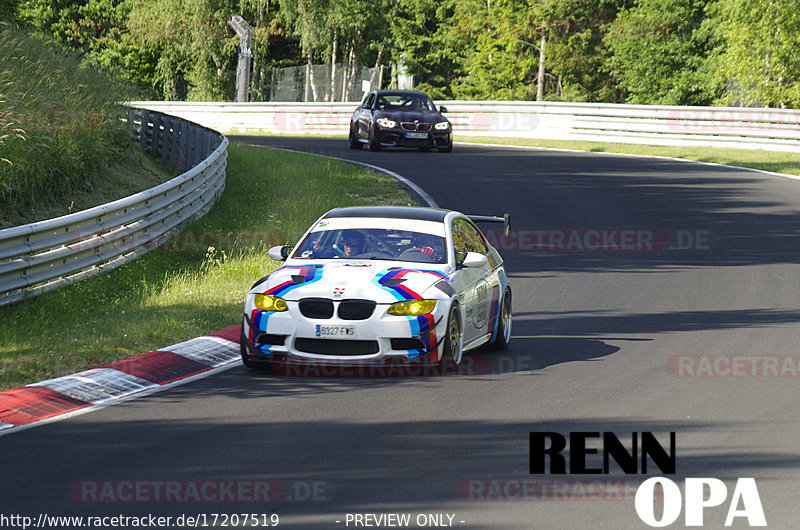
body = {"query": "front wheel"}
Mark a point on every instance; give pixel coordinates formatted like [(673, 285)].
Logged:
[(453, 342), (374, 143), (354, 142)]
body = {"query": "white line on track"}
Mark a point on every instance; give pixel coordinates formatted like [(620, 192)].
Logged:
[(419, 191)]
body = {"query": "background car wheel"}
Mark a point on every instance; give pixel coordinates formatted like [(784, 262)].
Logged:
[(374, 143), (354, 143), (453, 342), (263, 366), (503, 337)]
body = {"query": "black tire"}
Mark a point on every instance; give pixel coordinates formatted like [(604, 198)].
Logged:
[(452, 352), (503, 336), (354, 142), (374, 144), (261, 366)]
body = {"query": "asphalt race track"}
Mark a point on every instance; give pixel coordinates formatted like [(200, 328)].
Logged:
[(689, 326)]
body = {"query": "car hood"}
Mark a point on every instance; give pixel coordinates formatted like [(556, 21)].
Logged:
[(384, 282), (424, 116)]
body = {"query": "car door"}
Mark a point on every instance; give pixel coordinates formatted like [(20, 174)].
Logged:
[(471, 283)]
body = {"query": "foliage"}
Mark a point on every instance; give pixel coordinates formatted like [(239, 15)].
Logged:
[(658, 50), (196, 53), (60, 122), (756, 56), (8, 11), (508, 36), (500, 66), (639, 51), (428, 40)]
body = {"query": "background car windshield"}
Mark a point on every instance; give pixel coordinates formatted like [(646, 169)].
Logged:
[(405, 102), (373, 243)]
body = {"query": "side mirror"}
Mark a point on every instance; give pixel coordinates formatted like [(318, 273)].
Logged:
[(442, 108), (279, 253), (474, 260)]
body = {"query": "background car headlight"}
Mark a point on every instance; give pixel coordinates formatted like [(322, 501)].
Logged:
[(386, 123), (442, 126), (412, 307), (267, 302)]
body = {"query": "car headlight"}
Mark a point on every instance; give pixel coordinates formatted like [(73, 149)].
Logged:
[(267, 302), (386, 123), (442, 126), (412, 307)]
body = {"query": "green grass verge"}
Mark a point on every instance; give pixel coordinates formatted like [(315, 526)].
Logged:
[(197, 283), (778, 162), (60, 127), (130, 172)]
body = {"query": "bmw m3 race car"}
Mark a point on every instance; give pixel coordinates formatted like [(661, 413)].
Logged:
[(400, 118), (377, 286)]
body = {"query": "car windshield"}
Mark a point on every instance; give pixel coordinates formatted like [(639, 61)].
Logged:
[(372, 243), (405, 102)]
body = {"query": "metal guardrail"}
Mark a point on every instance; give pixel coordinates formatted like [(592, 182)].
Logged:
[(737, 127), (37, 257)]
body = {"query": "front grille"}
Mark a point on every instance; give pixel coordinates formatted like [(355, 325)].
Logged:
[(356, 309), (316, 308), (407, 344), (336, 347), (411, 126)]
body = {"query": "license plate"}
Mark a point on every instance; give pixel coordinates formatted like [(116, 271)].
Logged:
[(417, 135), (336, 331)]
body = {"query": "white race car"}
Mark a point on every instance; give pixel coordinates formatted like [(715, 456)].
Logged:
[(377, 286)]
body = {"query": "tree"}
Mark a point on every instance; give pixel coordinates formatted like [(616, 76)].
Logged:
[(501, 64), (543, 49), (428, 36), (756, 58), (196, 50), (348, 32), (658, 48)]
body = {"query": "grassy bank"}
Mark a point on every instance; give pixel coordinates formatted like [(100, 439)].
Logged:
[(753, 158), (63, 146), (197, 283)]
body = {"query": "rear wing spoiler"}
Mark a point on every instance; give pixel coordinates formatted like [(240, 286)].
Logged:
[(506, 220)]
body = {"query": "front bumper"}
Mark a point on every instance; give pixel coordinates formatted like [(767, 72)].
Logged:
[(289, 336), (399, 138)]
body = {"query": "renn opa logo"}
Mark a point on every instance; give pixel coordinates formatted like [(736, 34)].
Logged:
[(546, 457)]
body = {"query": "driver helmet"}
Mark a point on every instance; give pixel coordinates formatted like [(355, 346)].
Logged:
[(353, 243)]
